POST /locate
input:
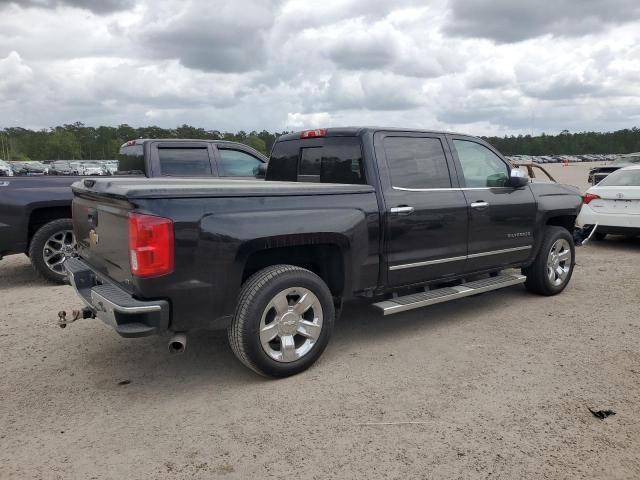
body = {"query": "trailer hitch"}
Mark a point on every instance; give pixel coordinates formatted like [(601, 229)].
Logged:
[(63, 320)]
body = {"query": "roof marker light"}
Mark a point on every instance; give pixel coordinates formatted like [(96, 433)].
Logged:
[(319, 132)]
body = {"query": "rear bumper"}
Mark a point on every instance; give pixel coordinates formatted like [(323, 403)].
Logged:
[(128, 316), (590, 216)]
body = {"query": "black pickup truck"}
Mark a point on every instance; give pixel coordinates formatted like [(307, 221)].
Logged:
[(35, 212), (406, 218)]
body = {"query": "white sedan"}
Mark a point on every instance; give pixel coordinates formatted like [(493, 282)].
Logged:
[(613, 204)]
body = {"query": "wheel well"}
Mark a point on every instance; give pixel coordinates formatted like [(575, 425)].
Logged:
[(564, 221), (43, 216), (324, 260)]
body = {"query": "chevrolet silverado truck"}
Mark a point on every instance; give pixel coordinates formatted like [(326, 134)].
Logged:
[(35, 212), (404, 218)]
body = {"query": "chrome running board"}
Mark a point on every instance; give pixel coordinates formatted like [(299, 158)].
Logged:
[(445, 294)]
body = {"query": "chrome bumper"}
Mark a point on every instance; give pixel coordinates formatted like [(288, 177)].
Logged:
[(113, 305)]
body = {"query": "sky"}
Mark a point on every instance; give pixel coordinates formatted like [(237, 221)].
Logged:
[(476, 66)]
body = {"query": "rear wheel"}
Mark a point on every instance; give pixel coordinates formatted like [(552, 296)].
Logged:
[(551, 270), (51, 245), (283, 321)]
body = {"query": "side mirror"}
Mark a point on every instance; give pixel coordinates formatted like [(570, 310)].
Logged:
[(518, 178), (261, 171)]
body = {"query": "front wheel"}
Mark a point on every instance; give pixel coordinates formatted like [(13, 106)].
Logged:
[(283, 321), (551, 270)]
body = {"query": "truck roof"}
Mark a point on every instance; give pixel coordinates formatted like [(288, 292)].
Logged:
[(140, 141), (357, 131)]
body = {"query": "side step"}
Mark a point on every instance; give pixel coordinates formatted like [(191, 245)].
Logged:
[(445, 294)]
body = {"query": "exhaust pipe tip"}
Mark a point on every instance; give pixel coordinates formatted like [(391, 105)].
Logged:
[(177, 343)]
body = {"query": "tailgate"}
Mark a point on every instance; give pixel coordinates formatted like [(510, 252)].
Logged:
[(102, 234)]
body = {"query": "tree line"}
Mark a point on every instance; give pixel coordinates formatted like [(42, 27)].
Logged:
[(81, 142)]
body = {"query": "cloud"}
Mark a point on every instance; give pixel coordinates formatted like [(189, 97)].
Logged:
[(15, 76), (507, 21), (100, 7), (480, 67), (228, 38)]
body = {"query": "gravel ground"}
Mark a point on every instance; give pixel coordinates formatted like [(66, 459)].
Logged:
[(493, 386)]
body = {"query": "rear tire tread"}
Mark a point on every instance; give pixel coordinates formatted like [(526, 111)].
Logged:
[(254, 284)]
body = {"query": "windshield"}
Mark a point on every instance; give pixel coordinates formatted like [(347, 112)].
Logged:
[(622, 178)]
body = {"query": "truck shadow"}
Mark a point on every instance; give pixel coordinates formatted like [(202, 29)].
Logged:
[(361, 323), (616, 242), (16, 271), (209, 361)]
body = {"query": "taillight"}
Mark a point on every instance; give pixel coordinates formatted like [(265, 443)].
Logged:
[(587, 197), (319, 132), (150, 245)]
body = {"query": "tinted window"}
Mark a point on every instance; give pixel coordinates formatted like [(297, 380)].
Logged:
[(283, 164), (234, 163), (184, 162), (310, 159), (416, 162), (130, 161), (331, 160), (480, 166), (342, 162)]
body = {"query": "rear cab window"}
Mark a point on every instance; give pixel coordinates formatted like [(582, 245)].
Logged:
[(131, 160), (324, 160)]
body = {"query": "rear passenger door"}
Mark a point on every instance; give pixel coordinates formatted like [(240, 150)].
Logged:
[(182, 159), (425, 211)]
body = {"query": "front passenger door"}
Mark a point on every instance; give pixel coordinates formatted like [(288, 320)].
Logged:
[(236, 163), (501, 218)]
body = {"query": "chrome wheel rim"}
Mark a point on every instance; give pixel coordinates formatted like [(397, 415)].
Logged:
[(58, 247), (291, 324), (559, 262)]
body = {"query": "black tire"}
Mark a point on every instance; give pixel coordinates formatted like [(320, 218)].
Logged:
[(538, 280), (37, 246), (599, 236), (256, 295)]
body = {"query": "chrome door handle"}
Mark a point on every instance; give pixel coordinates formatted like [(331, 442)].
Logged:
[(405, 210), (479, 205)]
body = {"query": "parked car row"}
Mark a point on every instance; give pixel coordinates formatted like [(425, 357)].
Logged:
[(5, 169), (58, 167), (562, 158)]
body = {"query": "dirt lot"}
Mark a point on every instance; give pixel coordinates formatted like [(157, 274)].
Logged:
[(494, 386)]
